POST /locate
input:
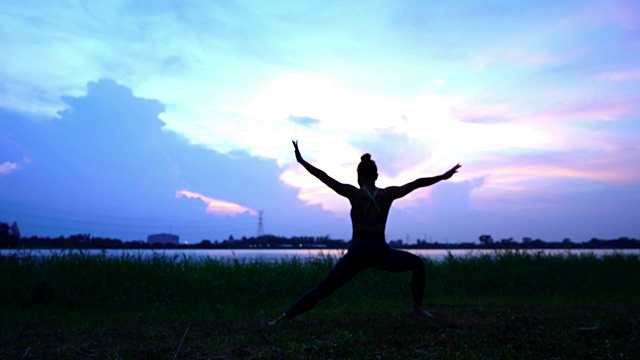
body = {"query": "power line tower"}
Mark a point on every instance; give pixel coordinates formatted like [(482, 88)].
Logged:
[(260, 224)]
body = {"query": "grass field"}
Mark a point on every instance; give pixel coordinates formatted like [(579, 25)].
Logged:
[(508, 305)]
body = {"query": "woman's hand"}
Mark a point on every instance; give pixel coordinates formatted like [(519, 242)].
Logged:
[(450, 173), (295, 146)]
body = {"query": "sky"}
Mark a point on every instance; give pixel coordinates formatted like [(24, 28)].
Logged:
[(128, 118)]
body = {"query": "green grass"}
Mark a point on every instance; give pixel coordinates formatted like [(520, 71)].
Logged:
[(508, 305)]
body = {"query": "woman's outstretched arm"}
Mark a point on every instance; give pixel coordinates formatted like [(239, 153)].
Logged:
[(342, 189), (400, 191)]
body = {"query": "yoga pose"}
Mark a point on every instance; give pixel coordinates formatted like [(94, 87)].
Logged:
[(368, 249)]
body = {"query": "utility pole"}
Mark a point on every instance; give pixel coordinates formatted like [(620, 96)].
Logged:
[(260, 224)]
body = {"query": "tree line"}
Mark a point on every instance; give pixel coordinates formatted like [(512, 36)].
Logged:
[(10, 238)]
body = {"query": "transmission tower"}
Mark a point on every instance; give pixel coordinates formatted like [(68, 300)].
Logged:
[(260, 224)]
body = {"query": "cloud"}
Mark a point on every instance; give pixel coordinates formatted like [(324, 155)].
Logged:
[(426, 135), (630, 18), (522, 59), (108, 166), (7, 168), (616, 76), (155, 48), (303, 120), (393, 153), (626, 13), (603, 110), (215, 206), (488, 114)]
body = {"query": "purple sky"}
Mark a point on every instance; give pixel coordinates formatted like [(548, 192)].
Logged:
[(129, 119)]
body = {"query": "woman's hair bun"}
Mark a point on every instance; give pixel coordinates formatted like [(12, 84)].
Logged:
[(367, 168)]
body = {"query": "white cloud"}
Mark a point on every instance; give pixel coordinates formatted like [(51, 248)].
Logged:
[(216, 206), (7, 168), (623, 75)]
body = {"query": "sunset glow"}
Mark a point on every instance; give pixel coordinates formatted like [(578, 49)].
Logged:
[(134, 105), (215, 206)]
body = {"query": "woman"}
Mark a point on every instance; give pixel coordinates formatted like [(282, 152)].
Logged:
[(368, 249)]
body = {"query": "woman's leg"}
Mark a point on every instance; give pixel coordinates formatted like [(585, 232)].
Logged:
[(343, 271), (404, 261)]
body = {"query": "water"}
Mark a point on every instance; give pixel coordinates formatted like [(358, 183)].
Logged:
[(302, 254)]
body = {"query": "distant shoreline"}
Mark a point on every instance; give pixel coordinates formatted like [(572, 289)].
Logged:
[(274, 248), (271, 242)]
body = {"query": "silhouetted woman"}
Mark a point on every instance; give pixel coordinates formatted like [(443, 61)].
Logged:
[(368, 249)]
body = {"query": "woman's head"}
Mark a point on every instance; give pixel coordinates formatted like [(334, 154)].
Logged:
[(367, 169)]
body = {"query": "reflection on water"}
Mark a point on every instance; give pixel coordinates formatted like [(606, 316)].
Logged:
[(302, 254)]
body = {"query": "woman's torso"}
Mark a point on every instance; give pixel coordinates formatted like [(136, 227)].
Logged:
[(369, 211)]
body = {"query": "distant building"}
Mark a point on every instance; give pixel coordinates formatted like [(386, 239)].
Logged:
[(163, 239)]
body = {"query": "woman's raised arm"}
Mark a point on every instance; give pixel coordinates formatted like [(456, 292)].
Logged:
[(345, 190), (397, 192)]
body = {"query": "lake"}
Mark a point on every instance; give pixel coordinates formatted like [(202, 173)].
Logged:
[(302, 254)]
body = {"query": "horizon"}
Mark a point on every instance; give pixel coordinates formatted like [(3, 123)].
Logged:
[(123, 120), (407, 241)]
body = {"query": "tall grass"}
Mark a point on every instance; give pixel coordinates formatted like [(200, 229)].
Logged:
[(504, 305), (536, 275), (77, 281)]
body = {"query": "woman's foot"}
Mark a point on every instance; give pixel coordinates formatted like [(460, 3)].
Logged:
[(420, 312), (279, 320)]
